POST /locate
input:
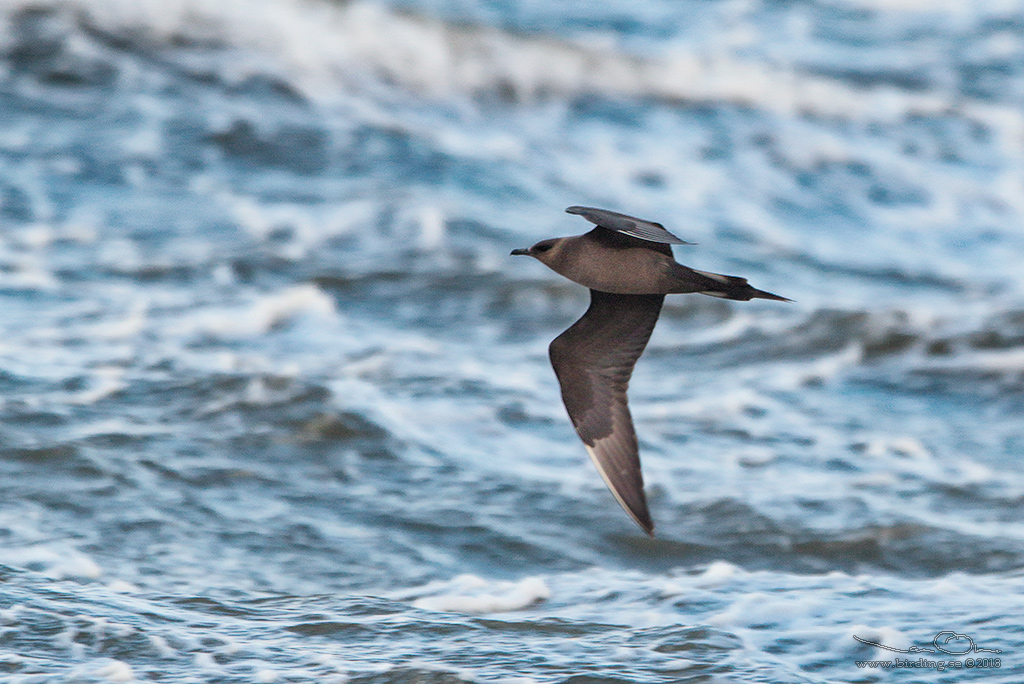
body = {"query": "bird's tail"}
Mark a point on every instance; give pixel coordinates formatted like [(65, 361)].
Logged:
[(731, 287)]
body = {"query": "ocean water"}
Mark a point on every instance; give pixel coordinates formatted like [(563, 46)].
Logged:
[(276, 404)]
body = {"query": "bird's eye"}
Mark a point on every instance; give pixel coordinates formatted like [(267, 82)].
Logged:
[(542, 247)]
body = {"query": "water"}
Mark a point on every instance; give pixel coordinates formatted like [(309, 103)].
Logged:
[(276, 404)]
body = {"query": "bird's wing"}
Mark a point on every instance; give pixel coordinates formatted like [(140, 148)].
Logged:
[(628, 225), (594, 360)]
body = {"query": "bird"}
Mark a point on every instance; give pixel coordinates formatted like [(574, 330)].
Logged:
[(628, 265)]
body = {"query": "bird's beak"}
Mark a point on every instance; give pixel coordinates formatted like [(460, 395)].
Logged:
[(520, 252)]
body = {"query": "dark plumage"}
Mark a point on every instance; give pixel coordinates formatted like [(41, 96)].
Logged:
[(627, 263)]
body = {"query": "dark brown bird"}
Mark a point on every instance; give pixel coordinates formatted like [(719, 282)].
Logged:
[(627, 263)]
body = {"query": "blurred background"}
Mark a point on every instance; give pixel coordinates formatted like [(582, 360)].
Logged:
[(276, 403)]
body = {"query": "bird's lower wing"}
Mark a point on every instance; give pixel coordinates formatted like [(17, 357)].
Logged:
[(594, 361)]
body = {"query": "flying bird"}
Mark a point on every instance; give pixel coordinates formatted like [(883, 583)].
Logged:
[(628, 265)]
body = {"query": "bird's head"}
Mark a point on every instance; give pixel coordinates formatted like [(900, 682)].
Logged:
[(545, 251)]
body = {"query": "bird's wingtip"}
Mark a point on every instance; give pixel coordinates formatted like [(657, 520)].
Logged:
[(641, 517), (638, 511)]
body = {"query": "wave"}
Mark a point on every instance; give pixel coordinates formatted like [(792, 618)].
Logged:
[(977, 351), (323, 49)]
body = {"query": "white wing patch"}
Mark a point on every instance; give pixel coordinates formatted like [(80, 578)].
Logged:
[(608, 482)]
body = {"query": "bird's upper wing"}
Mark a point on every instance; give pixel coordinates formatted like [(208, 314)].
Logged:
[(627, 225), (594, 360)]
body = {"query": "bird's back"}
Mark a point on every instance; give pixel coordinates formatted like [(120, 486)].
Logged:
[(611, 262)]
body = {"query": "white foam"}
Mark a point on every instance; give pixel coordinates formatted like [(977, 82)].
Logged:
[(27, 271), (55, 560), (721, 406), (266, 313), (821, 369), (899, 445), (205, 661), (432, 227), (1003, 361), (124, 327), (115, 671), (35, 236), (472, 594), (163, 649), (105, 381), (307, 226), (122, 587), (718, 573), (10, 616)]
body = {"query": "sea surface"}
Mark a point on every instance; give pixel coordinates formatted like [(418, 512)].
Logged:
[(275, 403)]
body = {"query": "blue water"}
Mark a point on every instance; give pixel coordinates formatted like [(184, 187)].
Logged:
[(276, 404)]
